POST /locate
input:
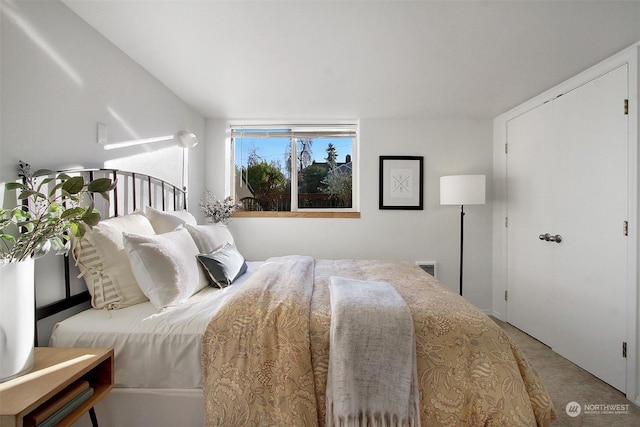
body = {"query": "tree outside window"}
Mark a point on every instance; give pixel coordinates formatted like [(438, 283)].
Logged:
[(283, 170)]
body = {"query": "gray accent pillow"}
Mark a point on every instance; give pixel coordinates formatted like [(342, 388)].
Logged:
[(223, 266)]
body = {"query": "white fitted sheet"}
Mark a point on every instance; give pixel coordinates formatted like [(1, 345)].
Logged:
[(152, 349)]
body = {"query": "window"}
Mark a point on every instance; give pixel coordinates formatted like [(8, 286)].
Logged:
[(295, 168)]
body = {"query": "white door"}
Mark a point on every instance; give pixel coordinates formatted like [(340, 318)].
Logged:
[(529, 259), (574, 298)]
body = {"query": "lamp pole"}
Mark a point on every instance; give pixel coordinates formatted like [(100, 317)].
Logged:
[(461, 243), (462, 190)]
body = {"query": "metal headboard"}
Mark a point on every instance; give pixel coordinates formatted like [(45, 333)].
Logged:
[(133, 192)]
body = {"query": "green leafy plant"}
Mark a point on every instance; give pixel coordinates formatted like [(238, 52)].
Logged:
[(44, 221)]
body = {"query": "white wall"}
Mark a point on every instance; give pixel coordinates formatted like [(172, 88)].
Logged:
[(59, 78), (448, 146)]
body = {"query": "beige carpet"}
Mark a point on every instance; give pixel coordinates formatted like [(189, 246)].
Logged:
[(567, 383)]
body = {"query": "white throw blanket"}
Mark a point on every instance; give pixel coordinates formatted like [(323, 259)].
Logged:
[(372, 378)]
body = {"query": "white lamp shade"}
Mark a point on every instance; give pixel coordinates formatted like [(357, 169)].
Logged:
[(462, 190)]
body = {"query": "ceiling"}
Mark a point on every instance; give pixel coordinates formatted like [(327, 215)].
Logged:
[(362, 59)]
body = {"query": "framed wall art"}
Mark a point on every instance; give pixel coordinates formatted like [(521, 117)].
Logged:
[(401, 180)]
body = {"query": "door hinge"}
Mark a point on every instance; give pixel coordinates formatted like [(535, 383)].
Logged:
[(626, 106), (625, 228), (506, 295), (624, 349), (506, 148), (506, 221)]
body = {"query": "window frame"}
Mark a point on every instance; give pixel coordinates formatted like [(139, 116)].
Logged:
[(295, 211)]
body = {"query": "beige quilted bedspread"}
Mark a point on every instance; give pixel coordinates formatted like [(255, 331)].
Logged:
[(265, 355)]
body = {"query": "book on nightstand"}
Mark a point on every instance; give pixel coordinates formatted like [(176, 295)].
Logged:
[(54, 419), (74, 395)]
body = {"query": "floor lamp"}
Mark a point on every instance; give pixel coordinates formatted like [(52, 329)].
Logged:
[(462, 190)]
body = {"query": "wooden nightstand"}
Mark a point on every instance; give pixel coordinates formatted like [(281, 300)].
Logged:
[(54, 370)]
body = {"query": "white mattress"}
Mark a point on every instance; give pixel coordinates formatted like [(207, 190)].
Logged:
[(152, 350)]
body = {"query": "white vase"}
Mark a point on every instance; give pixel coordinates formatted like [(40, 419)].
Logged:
[(17, 314)]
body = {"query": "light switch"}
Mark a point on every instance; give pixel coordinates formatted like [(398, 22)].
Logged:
[(102, 133)]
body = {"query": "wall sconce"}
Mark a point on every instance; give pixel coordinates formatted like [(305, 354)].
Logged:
[(186, 139)]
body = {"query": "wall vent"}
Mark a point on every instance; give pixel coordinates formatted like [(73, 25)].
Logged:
[(430, 267)]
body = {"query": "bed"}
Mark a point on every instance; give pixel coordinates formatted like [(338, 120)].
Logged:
[(256, 352)]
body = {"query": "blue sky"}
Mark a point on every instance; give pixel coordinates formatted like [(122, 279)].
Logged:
[(275, 149)]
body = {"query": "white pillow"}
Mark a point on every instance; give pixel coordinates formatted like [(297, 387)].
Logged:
[(104, 263), (165, 221), (210, 237), (165, 266)]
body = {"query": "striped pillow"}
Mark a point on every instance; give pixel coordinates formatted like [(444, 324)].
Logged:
[(104, 264)]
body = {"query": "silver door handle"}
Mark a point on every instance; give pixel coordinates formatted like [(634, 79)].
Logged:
[(549, 238)]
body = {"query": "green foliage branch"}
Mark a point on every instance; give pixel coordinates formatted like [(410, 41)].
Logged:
[(43, 221)]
